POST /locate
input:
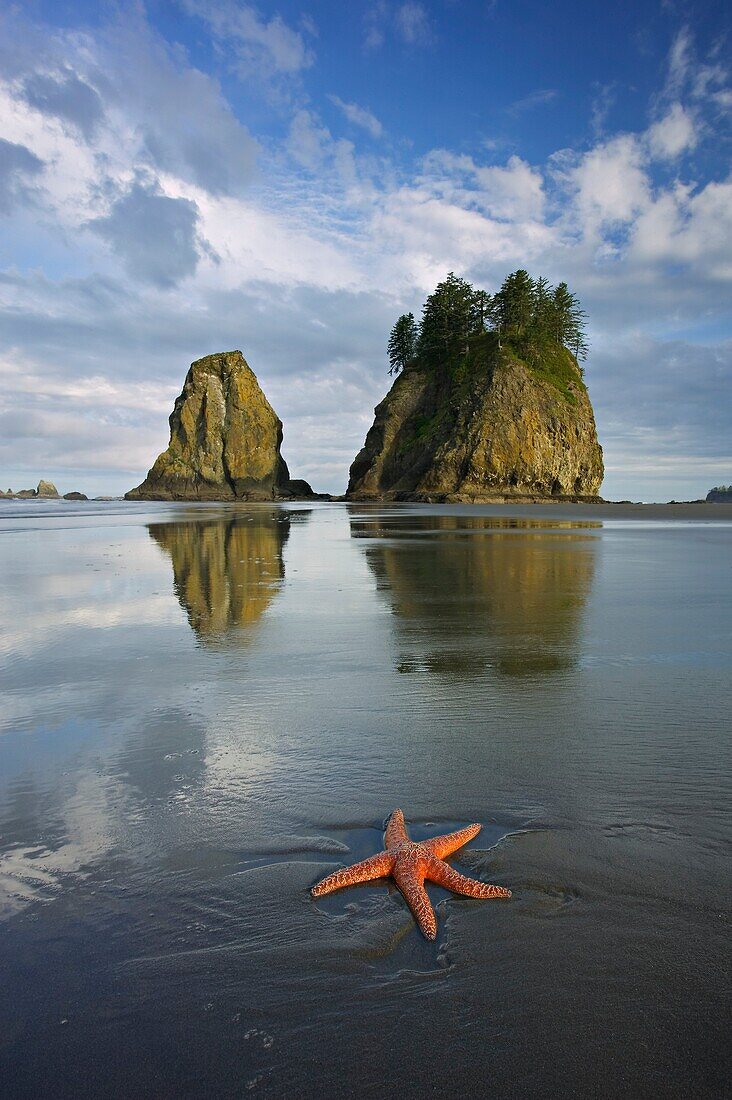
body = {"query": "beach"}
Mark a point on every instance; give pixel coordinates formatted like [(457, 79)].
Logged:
[(207, 708)]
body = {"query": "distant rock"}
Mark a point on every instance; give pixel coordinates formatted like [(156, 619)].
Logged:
[(75, 496), (720, 494), (47, 489), (225, 440), (297, 489), (497, 428)]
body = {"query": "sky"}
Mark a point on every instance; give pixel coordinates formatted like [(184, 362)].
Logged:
[(181, 177)]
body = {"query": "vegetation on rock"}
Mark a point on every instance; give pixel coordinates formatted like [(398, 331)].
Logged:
[(528, 314), (491, 403), (720, 494), (402, 342)]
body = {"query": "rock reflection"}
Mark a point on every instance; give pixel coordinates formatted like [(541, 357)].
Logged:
[(227, 571), (471, 593)]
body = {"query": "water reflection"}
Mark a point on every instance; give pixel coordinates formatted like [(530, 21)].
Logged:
[(472, 593), (164, 757), (227, 571)]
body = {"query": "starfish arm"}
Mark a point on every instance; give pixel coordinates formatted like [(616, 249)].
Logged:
[(442, 846), (375, 867), (416, 898), (439, 872), (396, 830)]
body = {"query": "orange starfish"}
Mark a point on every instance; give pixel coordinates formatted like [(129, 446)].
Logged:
[(410, 863)]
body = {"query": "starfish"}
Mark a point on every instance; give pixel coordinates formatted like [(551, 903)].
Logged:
[(410, 863)]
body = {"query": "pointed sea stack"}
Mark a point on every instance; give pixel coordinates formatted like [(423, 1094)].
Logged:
[(494, 428), (225, 440)]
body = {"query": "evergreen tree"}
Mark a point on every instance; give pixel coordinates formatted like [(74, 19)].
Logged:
[(525, 312), (562, 304), (568, 321), (542, 307), (448, 320), (482, 304), (514, 304), (402, 342)]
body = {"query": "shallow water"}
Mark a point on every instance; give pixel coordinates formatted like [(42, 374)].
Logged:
[(205, 710)]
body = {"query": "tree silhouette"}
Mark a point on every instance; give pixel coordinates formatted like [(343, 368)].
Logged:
[(568, 321), (525, 312), (448, 320), (513, 305), (402, 342)]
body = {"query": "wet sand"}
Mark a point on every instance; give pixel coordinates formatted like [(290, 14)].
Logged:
[(206, 709)]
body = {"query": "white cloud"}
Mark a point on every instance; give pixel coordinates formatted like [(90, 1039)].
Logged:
[(260, 46), (511, 192), (425, 235), (374, 20), (359, 116), (308, 140), (253, 244), (704, 81), (672, 135), (305, 266), (67, 180), (683, 227), (611, 184), (413, 23), (602, 104), (191, 133), (532, 100), (679, 62), (23, 379), (409, 22)]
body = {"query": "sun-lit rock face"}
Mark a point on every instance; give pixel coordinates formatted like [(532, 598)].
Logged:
[(225, 439), (497, 428)]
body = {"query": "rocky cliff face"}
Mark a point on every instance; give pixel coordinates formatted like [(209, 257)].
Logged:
[(494, 427), (224, 440)]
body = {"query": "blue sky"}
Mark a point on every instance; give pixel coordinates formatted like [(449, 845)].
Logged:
[(188, 176)]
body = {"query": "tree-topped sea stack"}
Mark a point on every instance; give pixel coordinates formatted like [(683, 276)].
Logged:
[(489, 401), (224, 440)]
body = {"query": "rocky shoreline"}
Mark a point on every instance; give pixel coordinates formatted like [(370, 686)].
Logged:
[(474, 498), (45, 490), (500, 433)]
